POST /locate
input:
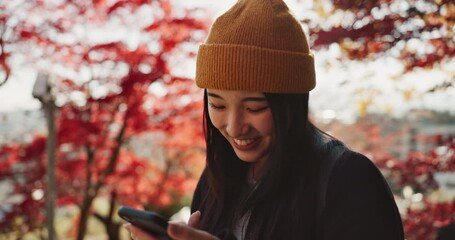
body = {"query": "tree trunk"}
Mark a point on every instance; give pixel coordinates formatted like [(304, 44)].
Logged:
[(92, 188), (112, 228), (113, 231), (84, 211), (89, 195)]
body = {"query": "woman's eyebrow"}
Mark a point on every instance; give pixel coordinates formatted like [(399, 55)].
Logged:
[(214, 95)]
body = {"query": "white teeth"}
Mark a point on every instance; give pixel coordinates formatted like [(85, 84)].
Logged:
[(244, 142)]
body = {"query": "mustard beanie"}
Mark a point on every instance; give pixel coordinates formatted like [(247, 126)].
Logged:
[(257, 45)]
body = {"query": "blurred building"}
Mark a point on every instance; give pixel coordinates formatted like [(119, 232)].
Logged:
[(382, 135)]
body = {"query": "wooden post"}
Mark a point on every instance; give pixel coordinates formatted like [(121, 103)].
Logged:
[(42, 91)]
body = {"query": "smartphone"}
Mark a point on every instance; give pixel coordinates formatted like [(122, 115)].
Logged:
[(149, 221)]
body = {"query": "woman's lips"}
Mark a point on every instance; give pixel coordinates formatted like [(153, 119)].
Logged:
[(246, 144)]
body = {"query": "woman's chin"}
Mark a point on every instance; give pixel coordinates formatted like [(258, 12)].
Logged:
[(249, 158)]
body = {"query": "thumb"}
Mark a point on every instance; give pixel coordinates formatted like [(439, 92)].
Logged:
[(195, 220), (180, 231)]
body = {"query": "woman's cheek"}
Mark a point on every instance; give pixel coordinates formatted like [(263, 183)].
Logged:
[(215, 117), (266, 124)]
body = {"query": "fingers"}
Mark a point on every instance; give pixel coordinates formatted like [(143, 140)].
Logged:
[(195, 220), (138, 234), (179, 231)]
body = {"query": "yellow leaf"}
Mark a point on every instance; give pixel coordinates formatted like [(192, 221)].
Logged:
[(363, 107), (408, 94)]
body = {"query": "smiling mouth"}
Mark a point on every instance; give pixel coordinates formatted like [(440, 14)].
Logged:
[(246, 144)]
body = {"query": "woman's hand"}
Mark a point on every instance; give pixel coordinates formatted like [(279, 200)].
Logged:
[(177, 231)]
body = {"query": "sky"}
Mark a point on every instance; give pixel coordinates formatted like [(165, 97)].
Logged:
[(330, 98)]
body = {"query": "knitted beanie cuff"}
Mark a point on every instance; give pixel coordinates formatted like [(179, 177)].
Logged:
[(250, 68)]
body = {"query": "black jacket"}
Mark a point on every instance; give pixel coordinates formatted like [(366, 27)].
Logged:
[(358, 202)]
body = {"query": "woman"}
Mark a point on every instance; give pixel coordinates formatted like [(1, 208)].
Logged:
[(271, 174)]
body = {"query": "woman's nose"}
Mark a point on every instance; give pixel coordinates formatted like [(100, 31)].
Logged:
[(236, 125)]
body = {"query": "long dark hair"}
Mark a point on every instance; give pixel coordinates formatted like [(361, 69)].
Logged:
[(282, 205)]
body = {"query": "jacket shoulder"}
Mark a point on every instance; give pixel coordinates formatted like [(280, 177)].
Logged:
[(359, 202)]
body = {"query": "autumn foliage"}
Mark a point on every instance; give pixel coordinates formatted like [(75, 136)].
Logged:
[(129, 128), (106, 105), (425, 215), (419, 33)]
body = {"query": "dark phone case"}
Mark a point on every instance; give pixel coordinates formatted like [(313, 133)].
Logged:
[(149, 221)]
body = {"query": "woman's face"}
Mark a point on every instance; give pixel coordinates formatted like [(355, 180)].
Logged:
[(245, 120)]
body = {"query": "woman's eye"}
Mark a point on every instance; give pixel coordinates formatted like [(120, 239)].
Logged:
[(216, 107), (257, 110)]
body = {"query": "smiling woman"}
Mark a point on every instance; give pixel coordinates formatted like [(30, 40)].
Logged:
[(245, 120), (270, 173)]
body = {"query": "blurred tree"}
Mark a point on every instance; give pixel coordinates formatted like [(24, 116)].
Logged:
[(103, 87), (5, 40), (425, 214), (378, 43), (418, 32), (21, 168)]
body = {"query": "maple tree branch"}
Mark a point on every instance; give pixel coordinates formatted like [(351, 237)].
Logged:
[(166, 172), (164, 178), (3, 59), (116, 151), (90, 155), (112, 206), (100, 218), (114, 157)]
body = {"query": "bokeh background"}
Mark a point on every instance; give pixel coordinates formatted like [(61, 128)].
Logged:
[(128, 115)]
